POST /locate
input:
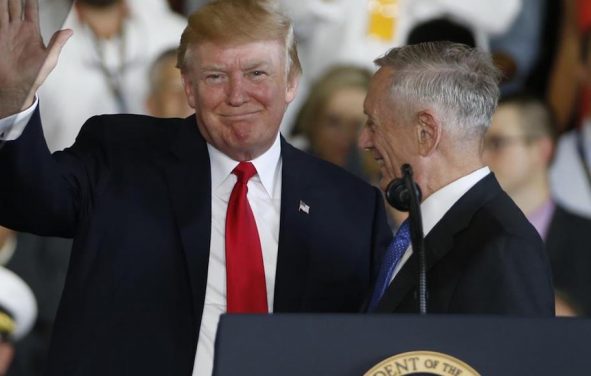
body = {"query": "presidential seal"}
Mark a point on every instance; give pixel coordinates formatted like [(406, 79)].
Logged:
[(423, 363)]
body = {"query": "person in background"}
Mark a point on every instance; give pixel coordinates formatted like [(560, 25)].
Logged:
[(441, 29), (519, 148), (570, 174), (18, 310), (517, 51), (355, 32), (565, 77), (330, 120), (42, 263), (177, 221), (166, 97), (429, 105), (103, 69), (332, 116)]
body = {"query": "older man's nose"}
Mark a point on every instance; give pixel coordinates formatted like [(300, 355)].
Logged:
[(364, 141)]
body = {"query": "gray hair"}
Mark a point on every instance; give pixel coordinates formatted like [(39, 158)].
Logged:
[(460, 83)]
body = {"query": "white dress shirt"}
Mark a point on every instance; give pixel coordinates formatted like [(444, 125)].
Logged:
[(12, 127), (264, 197), (436, 205)]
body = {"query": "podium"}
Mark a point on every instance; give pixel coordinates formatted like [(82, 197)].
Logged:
[(352, 344)]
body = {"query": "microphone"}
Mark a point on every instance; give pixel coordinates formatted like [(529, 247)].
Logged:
[(398, 193), (405, 195)]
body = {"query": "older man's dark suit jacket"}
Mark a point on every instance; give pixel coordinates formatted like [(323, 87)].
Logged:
[(483, 257), (135, 194)]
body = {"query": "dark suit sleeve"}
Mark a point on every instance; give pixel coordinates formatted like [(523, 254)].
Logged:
[(44, 193), (508, 276)]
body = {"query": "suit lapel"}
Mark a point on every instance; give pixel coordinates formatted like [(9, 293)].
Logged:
[(439, 241), (437, 244), (293, 248), (189, 181)]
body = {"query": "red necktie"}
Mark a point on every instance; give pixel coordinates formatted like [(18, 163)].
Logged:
[(245, 274)]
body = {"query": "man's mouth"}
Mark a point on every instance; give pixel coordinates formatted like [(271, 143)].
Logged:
[(379, 160), (240, 115)]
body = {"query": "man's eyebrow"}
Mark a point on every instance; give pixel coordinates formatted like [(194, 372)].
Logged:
[(212, 67), (256, 65)]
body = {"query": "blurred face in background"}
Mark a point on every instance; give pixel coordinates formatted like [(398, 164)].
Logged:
[(167, 96), (511, 154), (105, 21), (335, 134)]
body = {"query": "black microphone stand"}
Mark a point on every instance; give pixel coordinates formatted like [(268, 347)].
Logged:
[(416, 235)]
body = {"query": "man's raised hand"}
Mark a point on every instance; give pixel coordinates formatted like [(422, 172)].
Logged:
[(25, 62)]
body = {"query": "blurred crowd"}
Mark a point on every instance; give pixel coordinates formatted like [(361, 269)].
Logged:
[(122, 58)]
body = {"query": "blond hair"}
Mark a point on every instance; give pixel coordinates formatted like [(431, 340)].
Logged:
[(240, 21)]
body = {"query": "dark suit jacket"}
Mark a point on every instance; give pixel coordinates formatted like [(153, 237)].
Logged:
[(134, 192), (483, 256), (567, 243)]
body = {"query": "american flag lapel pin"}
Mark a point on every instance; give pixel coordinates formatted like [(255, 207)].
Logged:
[(304, 208)]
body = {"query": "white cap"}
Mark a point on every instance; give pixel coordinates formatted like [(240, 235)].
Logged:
[(17, 298)]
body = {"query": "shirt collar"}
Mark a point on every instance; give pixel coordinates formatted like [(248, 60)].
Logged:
[(541, 217), (267, 166), (436, 205)]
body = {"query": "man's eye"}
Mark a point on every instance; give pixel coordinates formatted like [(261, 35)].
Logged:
[(213, 78), (258, 73)]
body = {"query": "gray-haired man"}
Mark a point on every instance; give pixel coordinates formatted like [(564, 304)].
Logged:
[(430, 105)]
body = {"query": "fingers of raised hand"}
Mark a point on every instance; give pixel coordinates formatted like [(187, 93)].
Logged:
[(31, 10), (15, 10), (57, 42), (19, 20), (18, 10), (3, 13)]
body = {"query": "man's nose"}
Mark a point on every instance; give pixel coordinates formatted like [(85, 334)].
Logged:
[(364, 141), (236, 91)]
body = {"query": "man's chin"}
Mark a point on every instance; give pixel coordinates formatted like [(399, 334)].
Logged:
[(386, 178)]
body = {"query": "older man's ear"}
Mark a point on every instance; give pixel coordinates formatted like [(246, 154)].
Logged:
[(428, 132)]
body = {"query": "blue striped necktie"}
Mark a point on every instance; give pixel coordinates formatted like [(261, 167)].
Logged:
[(391, 258)]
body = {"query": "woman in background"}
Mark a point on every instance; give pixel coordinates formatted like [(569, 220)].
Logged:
[(331, 117)]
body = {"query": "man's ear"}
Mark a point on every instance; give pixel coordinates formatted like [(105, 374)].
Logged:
[(546, 146), (428, 132), (189, 89), (293, 81)]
